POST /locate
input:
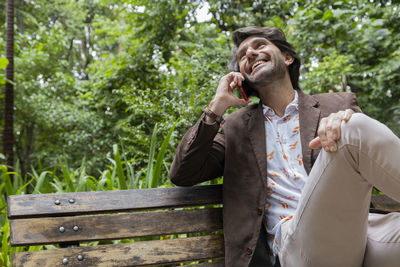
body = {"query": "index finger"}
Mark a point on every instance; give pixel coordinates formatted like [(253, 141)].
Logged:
[(347, 114)]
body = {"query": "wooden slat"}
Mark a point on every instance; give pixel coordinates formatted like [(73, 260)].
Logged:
[(39, 231), (208, 264), (23, 206), (384, 204), (131, 254)]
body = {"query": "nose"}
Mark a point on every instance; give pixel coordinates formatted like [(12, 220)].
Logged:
[(250, 52)]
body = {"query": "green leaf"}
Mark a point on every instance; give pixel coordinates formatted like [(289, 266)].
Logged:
[(70, 187), (3, 62), (338, 13), (150, 164), (119, 168), (378, 22), (327, 15), (40, 182), (82, 177), (24, 186), (155, 181), (6, 180), (4, 244), (131, 175), (110, 179)]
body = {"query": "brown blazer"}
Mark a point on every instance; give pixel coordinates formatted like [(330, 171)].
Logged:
[(237, 151)]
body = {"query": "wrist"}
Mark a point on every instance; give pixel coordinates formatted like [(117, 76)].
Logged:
[(211, 117), (217, 106)]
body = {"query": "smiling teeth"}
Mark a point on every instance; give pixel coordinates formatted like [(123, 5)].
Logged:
[(256, 64)]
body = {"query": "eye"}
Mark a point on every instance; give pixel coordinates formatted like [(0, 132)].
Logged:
[(260, 45), (241, 56)]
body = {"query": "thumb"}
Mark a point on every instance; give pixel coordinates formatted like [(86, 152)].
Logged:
[(315, 143)]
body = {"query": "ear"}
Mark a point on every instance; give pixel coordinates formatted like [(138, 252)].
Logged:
[(288, 59)]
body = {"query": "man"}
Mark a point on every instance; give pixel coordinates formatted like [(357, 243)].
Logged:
[(285, 202)]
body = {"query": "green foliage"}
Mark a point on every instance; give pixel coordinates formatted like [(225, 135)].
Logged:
[(3, 65), (119, 169), (351, 46), (155, 181), (329, 72), (149, 173), (5, 233)]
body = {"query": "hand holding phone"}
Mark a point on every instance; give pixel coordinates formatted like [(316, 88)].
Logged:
[(225, 96), (243, 93)]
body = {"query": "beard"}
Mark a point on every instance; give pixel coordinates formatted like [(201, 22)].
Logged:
[(275, 70)]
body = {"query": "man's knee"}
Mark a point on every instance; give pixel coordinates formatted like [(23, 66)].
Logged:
[(358, 125), (361, 129), (357, 122)]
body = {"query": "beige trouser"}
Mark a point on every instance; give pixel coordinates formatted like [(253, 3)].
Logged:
[(332, 226)]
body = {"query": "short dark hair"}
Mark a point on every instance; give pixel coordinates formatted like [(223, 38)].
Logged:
[(275, 36)]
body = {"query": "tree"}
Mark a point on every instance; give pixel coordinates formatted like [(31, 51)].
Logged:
[(8, 134)]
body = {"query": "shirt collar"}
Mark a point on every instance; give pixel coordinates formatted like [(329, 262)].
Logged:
[(293, 106)]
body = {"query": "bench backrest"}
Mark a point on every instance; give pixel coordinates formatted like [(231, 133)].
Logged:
[(154, 214)]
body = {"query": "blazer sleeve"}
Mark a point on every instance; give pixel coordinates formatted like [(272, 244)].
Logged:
[(354, 103), (200, 155)]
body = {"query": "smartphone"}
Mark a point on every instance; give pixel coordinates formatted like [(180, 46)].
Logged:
[(243, 93)]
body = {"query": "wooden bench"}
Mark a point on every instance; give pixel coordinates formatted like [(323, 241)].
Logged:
[(192, 215)]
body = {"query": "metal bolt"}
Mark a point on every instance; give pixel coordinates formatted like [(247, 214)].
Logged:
[(65, 261), (72, 201), (61, 229), (57, 202), (80, 257), (76, 228)]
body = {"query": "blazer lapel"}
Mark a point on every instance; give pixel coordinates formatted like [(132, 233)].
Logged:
[(309, 113), (256, 130)]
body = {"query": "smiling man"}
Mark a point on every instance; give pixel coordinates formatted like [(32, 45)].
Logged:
[(286, 201)]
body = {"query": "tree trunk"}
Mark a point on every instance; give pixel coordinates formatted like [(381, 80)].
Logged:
[(8, 135)]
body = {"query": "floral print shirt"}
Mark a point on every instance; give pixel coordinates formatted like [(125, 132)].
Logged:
[(286, 173)]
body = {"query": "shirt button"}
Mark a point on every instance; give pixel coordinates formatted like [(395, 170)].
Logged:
[(259, 212), (249, 251)]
